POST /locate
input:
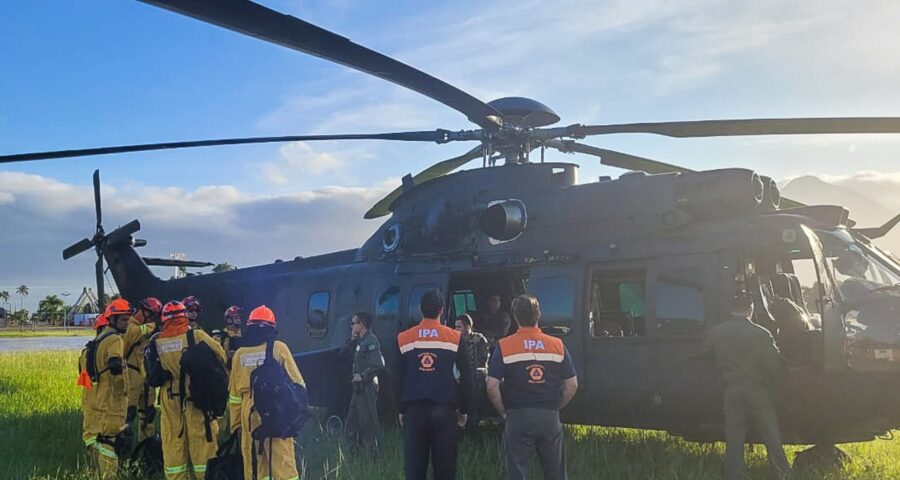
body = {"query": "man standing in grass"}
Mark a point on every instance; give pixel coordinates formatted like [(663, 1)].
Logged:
[(750, 365), (538, 380), (141, 398), (362, 420), (105, 397)]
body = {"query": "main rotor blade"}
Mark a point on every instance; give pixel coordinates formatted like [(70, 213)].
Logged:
[(626, 161), (97, 209), (759, 126), (168, 262), (438, 136), (77, 248), (258, 21), (616, 159), (439, 169)]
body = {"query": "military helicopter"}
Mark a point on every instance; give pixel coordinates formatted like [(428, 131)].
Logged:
[(631, 272)]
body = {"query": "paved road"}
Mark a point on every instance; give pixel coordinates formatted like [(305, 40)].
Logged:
[(42, 343)]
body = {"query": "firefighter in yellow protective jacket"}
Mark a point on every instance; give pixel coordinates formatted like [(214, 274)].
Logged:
[(105, 396), (183, 429), (141, 398), (277, 452)]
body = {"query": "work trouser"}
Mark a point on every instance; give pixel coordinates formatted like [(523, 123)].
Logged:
[(274, 457), (184, 438), (748, 406), (101, 456), (141, 415), (362, 420), (529, 431), (430, 429)]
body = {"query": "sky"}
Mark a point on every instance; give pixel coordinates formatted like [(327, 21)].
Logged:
[(95, 73)]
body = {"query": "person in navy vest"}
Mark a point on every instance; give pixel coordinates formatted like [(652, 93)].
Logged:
[(432, 405), (531, 377)]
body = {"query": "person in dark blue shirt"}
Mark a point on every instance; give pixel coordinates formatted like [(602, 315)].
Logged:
[(432, 405), (531, 377)]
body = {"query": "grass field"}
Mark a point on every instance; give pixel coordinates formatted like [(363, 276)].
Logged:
[(54, 332), (40, 428)]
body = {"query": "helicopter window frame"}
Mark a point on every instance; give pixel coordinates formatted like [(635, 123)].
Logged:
[(393, 292), (627, 316), (317, 329), (671, 281), (553, 292)]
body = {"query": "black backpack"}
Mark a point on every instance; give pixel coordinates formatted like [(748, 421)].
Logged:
[(156, 375), (90, 351), (282, 405), (209, 381), (148, 455), (228, 464)]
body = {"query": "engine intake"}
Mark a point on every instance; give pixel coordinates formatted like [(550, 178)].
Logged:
[(504, 220)]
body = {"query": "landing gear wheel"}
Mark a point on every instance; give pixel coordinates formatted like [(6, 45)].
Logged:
[(334, 426), (821, 459)]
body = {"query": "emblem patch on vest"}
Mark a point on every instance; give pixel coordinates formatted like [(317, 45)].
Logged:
[(426, 361), (535, 373)]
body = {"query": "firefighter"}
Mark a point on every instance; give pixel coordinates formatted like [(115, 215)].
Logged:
[(183, 426), (105, 396), (141, 399), (274, 457)]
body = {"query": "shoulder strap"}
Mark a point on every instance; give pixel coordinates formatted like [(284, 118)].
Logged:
[(190, 337), (270, 351)]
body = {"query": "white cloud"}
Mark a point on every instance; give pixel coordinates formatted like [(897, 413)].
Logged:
[(214, 223)]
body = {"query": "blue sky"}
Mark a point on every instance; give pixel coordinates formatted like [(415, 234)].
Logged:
[(91, 73)]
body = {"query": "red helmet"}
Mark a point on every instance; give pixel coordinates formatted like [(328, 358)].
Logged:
[(151, 304), (191, 304), (101, 321), (119, 306), (233, 311), (262, 314), (173, 310)]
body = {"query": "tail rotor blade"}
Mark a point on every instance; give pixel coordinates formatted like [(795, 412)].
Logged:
[(97, 200), (77, 248), (98, 271)]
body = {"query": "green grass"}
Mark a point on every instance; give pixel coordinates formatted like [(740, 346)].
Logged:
[(55, 332), (40, 428)]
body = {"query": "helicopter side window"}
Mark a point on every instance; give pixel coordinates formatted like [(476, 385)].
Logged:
[(557, 298), (680, 301), (317, 314), (618, 303), (463, 302), (387, 308)]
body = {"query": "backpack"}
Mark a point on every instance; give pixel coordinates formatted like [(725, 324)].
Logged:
[(90, 353), (209, 381), (282, 405), (228, 464), (156, 375), (149, 456)]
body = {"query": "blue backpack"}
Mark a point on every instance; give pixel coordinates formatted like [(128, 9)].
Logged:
[(282, 404)]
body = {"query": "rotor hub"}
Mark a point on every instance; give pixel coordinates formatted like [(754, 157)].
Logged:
[(524, 112)]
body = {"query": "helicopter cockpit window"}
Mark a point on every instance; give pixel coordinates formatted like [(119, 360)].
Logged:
[(680, 302), (860, 271), (317, 314), (618, 302), (387, 309), (557, 298)]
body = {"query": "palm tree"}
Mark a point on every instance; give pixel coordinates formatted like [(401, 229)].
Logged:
[(4, 296), (51, 307), (23, 291)]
